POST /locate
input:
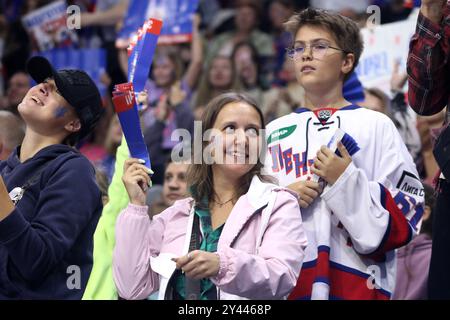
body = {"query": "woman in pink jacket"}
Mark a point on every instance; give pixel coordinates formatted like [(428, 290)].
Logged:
[(239, 236)]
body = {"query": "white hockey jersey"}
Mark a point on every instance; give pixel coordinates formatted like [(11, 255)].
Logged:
[(374, 207)]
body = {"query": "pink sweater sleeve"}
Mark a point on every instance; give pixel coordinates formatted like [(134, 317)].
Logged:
[(273, 272), (137, 239)]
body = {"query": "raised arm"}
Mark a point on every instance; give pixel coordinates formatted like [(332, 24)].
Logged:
[(195, 66), (428, 69)]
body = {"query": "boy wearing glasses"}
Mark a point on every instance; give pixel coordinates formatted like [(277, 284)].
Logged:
[(358, 203)]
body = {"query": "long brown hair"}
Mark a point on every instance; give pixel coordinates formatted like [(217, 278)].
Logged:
[(200, 176)]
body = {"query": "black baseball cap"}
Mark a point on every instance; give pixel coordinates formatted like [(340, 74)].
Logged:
[(75, 86)]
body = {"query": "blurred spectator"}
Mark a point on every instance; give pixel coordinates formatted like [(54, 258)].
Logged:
[(279, 13), (168, 75), (246, 23), (246, 61), (105, 17), (284, 99), (355, 10), (16, 47), (220, 76), (102, 182), (95, 152), (18, 86), (174, 188), (3, 29), (95, 146), (208, 9), (112, 142), (171, 113), (375, 99), (400, 113), (11, 9), (350, 9), (223, 22), (405, 120), (402, 116), (428, 166), (12, 131), (166, 70), (413, 260), (107, 14)]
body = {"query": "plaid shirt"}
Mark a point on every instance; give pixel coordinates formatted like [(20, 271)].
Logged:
[(428, 66)]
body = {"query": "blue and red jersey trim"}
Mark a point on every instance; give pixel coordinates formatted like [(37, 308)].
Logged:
[(399, 231), (345, 283)]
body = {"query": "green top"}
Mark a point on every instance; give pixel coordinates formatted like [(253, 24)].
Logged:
[(208, 243), (101, 282)]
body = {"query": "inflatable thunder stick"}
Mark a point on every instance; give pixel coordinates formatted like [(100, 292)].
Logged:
[(140, 56)]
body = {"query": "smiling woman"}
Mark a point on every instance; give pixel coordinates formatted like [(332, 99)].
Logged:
[(230, 240), (231, 123)]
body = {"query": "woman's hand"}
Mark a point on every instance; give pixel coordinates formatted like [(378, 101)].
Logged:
[(136, 178), (307, 191), (199, 264)]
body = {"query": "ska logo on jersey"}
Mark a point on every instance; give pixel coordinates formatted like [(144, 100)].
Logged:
[(324, 114)]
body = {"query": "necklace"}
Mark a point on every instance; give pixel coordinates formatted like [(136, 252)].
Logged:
[(221, 204)]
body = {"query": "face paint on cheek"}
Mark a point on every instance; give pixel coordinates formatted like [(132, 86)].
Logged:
[(60, 112)]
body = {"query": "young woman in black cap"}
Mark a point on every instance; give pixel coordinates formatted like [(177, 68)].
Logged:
[(49, 200)]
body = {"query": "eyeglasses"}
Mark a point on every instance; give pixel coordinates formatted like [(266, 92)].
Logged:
[(318, 50)]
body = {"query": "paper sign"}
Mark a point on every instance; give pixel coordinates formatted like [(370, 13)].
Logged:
[(47, 27), (176, 14), (163, 264)]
